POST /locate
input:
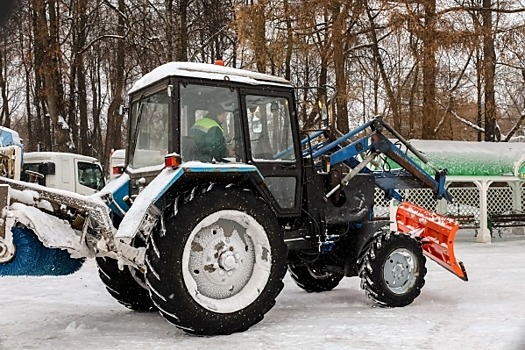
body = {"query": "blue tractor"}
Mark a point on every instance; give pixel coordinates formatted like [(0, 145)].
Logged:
[(207, 242)]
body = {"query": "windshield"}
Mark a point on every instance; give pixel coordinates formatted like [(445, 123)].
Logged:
[(90, 175), (149, 130)]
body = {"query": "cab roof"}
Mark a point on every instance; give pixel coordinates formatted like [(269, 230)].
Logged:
[(31, 157), (207, 71)]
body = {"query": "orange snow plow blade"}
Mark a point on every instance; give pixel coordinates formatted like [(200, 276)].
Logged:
[(436, 233)]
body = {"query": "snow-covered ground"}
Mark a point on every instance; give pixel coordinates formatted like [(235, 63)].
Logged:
[(487, 312)]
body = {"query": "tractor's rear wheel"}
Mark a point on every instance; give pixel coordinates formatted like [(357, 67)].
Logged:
[(314, 278), (392, 269), (217, 265), (127, 286)]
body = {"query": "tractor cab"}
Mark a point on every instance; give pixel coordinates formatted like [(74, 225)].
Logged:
[(258, 125)]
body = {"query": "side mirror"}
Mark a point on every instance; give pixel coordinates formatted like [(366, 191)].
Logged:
[(46, 168)]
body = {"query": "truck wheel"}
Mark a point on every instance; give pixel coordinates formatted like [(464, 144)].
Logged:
[(218, 264), (127, 286), (312, 279), (392, 269)]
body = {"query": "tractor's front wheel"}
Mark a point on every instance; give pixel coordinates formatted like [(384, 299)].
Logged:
[(392, 269), (217, 264)]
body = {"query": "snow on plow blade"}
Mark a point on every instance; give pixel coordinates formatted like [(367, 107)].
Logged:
[(436, 233)]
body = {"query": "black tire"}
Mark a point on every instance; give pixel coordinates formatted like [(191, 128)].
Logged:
[(392, 269), (218, 265), (127, 286), (313, 279)]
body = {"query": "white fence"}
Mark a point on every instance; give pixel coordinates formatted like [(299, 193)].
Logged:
[(486, 204)]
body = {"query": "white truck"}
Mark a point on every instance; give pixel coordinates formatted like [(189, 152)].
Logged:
[(64, 171)]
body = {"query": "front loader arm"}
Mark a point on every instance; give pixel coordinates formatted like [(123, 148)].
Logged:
[(435, 232), (376, 143)]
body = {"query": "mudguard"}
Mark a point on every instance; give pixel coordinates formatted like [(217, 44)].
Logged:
[(142, 216), (114, 194)]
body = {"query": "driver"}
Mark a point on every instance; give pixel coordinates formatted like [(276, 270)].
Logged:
[(208, 134)]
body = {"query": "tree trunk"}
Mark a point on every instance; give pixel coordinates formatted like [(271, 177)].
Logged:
[(48, 62), (114, 129), (489, 72), (53, 81), (43, 130), (338, 44), (289, 42), (430, 111), (5, 115), (81, 132), (259, 35), (84, 142), (96, 92)]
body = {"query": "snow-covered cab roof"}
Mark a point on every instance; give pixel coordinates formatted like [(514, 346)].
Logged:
[(207, 71), (35, 157)]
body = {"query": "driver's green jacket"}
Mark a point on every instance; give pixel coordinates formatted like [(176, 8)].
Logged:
[(208, 135)]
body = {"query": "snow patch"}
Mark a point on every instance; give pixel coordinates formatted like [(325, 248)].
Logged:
[(80, 328), (52, 231), (206, 71)]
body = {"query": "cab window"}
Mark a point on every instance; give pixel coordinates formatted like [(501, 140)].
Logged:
[(270, 128), (220, 106), (149, 130)]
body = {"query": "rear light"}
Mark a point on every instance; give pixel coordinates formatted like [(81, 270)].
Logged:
[(172, 160), (117, 170), (219, 62)]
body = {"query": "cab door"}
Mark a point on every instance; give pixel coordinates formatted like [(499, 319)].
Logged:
[(273, 145)]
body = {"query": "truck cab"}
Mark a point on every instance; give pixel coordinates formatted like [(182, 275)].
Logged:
[(65, 171)]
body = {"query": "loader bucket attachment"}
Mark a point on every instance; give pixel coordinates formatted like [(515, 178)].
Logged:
[(436, 233)]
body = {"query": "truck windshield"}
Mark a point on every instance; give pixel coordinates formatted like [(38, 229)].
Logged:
[(149, 130), (90, 175)]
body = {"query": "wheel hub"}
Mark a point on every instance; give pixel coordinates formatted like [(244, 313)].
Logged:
[(228, 261), (221, 259), (399, 271)]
